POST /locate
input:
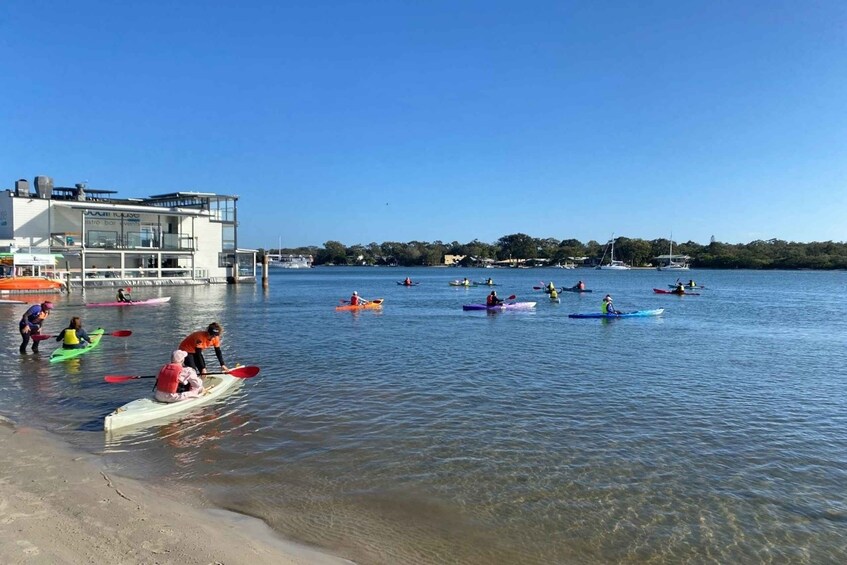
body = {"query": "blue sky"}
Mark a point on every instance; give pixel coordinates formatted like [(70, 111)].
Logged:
[(363, 121)]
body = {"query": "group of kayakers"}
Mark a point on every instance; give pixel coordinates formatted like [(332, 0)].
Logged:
[(180, 379)]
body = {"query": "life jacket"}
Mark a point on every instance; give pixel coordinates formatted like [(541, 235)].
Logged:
[(554, 294), (354, 300), (491, 300), (605, 308), (168, 379), (70, 337)]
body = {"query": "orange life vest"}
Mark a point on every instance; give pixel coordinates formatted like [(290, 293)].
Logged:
[(168, 378)]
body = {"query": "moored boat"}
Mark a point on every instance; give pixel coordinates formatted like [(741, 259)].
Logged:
[(148, 409), (23, 284)]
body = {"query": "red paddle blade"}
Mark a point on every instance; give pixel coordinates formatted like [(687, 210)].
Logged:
[(245, 372), (512, 297), (121, 333), (124, 378)]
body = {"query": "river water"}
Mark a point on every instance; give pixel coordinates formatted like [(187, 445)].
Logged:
[(425, 434)]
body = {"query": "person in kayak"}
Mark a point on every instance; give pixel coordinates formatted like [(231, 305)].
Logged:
[(356, 300), (692, 284), (606, 307), (490, 281), (466, 282), (554, 294), (73, 336), (579, 286), (30, 324), (680, 288), (177, 382), (407, 282), (551, 286), (195, 343), (124, 295), (493, 299)]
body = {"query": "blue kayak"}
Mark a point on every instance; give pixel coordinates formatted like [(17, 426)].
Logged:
[(636, 314)]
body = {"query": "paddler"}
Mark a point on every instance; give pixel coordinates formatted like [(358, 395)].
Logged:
[(551, 286), (124, 296), (680, 288), (177, 382), (579, 286), (73, 336), (195, 343), (356, 300), (554, 294), (30, 324), (408, 282), (606, 307), (692, 284), (493, 300)]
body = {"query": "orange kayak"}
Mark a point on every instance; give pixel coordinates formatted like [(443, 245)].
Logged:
[(372, 305), (29, 283)]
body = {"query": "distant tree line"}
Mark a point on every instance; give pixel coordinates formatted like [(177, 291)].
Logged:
[(759, 254)]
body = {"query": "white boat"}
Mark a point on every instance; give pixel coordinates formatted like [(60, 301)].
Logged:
[(147, 409), (290, 261), (613, 265), (672, 264)]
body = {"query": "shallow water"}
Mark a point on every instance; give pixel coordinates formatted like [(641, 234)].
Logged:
[(424, 434)]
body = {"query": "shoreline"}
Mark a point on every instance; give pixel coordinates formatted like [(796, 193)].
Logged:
[(60, 506)]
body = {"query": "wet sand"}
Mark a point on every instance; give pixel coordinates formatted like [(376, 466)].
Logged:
[(60, 506)]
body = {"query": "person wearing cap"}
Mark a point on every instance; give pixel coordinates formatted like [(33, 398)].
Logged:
[(73, 336), (124, 295), (606, 307), (195, 343), (30, 324), (177, 382), (357, 300)]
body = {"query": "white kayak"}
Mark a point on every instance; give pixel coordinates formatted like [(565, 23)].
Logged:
[(147, 409)]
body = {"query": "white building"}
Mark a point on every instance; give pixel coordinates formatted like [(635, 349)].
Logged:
[(100, 240)]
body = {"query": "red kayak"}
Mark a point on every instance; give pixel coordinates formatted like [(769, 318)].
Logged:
[(660, 291)]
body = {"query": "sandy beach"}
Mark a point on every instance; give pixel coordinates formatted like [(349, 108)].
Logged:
[(60, 506)]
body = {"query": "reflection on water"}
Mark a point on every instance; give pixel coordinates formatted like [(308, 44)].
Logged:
[(420, 433)]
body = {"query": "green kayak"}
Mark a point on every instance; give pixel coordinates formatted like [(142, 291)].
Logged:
[(62, 354)]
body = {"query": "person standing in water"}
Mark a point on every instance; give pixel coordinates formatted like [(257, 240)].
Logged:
[(31, 322), (196, 342)]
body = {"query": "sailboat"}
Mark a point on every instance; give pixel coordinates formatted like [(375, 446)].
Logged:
[(674, 265), (613, 265)]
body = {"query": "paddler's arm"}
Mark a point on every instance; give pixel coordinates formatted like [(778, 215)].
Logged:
[(219, 354)]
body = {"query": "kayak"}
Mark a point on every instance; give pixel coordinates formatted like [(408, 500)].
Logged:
[(563, 289), (3, 301), (63, 354), (636, 314), (660, 291), (147, 302), (401, 283), (147, 409), (372, 305), (460, 283), (556, 300), (687, 286), (504, 306), (484, 283)]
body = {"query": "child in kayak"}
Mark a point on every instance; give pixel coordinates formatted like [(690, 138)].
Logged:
[(177, 382), (73, 336), (124, 296), (30, 324), (195, 343)]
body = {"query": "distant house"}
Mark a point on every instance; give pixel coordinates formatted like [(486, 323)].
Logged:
[(453, 260)]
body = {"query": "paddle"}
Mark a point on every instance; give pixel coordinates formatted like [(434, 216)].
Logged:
[(239, 372), (116, 333)]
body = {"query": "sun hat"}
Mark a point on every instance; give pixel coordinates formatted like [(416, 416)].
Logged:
[(178, 356)]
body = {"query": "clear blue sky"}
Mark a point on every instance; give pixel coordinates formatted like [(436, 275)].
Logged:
[(363, 121)]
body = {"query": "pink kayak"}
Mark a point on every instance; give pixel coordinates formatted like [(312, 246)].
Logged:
[(148, 302), (504, 306)]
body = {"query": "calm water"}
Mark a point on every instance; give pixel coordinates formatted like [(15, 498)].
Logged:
[(425, 434)]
